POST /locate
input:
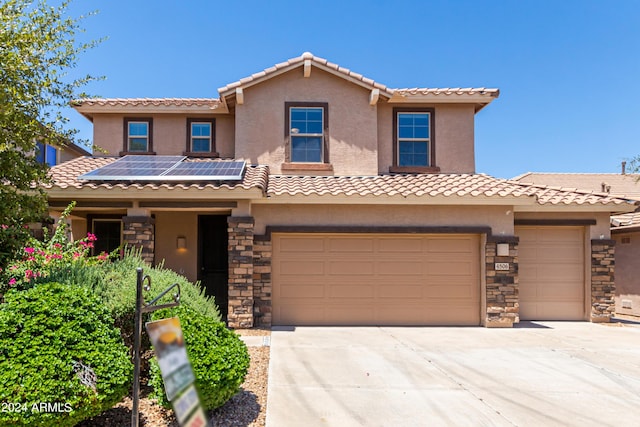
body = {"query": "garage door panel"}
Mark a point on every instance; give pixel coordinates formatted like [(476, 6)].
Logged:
[(301, 245), (340, 245), (451, 245), (355, 268), (450, 268), (400, 268), (303, 291), (377, 280), (400, 291), (351, 291), (400, 245), (301, 268), (551, 273)]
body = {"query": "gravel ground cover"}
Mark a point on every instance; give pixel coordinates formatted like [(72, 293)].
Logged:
[(247, 408)]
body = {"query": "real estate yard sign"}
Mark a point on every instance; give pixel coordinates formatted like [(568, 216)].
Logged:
[(168, 343)]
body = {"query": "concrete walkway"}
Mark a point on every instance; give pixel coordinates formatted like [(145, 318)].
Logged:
[(539, 374)]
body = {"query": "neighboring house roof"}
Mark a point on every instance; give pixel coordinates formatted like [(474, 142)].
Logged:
[(624, 185), (625, 222), (65, 177), (613, 184), (257, 183), (76, 149)]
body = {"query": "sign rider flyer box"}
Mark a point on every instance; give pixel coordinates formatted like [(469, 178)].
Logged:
[(168, 343)]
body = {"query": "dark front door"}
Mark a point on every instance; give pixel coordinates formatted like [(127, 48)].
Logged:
[(213, 259)]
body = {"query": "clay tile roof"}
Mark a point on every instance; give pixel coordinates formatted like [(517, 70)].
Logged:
[(297, 61), (65, 175), (155, 102), (625, 221), (447, 185), (621, 185), (447, 91)]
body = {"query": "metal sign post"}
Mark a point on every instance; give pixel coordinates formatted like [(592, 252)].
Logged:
[(144, 283)]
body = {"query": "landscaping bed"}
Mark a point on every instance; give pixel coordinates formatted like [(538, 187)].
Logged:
[(247, 408)]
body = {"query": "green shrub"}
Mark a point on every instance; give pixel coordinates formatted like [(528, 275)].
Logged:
[(218, 356), (43, 331), (115, 284)]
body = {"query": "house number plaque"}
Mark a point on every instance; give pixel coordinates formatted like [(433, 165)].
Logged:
[(502, 266)]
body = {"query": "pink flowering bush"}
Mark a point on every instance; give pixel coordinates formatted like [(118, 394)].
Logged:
[(39, 258)]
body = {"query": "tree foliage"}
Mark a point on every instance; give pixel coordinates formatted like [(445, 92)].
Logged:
[(38, 48)]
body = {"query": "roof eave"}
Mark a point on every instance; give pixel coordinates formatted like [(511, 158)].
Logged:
[(177, 192), (89, 111), (399, 199)]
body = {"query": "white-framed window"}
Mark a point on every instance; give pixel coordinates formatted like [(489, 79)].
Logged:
[(138, 135), (413, 138), (306, 132), (200, 135)]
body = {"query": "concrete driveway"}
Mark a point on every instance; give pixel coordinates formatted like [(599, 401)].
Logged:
[(538, 374)]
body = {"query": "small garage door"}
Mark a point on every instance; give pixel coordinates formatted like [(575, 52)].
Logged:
[(381, 279), (551, 273)]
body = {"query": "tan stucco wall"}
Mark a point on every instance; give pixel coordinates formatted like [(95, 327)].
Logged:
[(454, 137), (627, 277), (170, 225), (380, 215), (600, 230), (260, 121), (169, 133)]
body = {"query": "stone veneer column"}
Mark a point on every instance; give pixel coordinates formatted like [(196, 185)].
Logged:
[(240, 272), (262, 281), (139, 233), (603, 287), (503, 308)]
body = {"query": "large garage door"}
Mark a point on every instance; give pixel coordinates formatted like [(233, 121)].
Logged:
[(551, 270), (381, 279)]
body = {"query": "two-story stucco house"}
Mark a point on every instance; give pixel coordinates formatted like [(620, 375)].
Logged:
[(308, 194)]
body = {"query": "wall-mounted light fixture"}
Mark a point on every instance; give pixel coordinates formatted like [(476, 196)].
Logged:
[(181, 242), (502, 249)]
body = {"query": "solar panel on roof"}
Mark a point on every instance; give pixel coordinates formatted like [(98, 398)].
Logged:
[(165, 168), (134, 167), (223, 170)]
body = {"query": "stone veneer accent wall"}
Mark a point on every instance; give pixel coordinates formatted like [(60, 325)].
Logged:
[(502, 286), (603, 288), (139, 233), (262, 281), (240, 272)]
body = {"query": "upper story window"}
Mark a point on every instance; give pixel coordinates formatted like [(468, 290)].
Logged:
[(138, 135), (413, 139), (46, 154), (306, 124), (413, 144), (200, 137)]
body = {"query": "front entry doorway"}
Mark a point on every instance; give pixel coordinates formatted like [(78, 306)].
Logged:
[(213, 259)]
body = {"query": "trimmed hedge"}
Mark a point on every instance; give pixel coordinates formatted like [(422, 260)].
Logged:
[(43, 331), (218, 356)]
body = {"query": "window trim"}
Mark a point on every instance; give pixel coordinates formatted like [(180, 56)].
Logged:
[(431, 168), (325, 134), (125, 144), (189, 147)]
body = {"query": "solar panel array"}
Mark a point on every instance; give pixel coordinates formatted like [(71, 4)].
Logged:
[(166, 168)]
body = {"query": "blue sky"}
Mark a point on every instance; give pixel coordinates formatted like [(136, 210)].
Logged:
[(568, 71)]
